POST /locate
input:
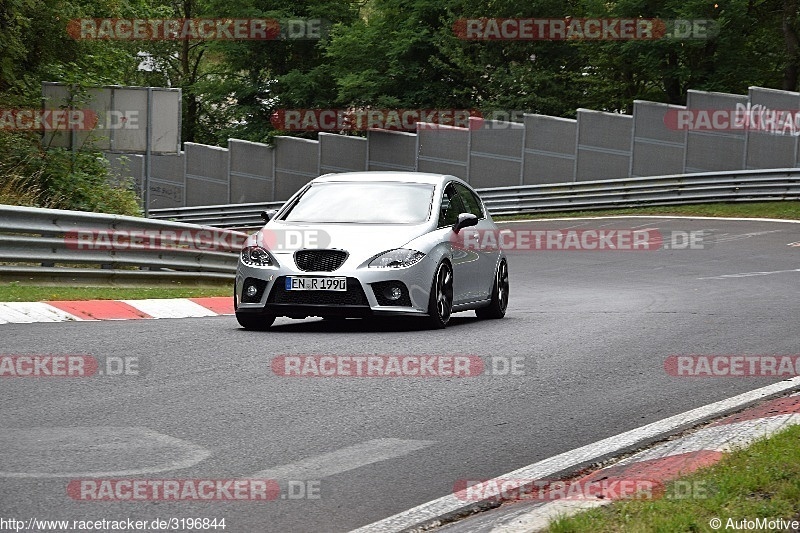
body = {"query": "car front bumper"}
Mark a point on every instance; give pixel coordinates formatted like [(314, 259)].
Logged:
[(362, 299)]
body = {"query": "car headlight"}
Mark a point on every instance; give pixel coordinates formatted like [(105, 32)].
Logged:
[(256, 256), (399, 258)]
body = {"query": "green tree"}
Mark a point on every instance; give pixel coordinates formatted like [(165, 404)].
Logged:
[(35, 46)]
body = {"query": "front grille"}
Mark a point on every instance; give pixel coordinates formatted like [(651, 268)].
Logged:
[(354, 295), (319, 260)]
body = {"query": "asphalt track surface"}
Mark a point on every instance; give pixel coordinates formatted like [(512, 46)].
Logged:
[(594, 328)]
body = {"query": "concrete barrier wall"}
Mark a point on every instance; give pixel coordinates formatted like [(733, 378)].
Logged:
[(443, 150), (166, 177), (207, 180), (296, 163), (167, 182), (549, 153), (604, 145), (658, 150), (252, 172), (392, 150), (341, 153), (766, 149), (495, 154), (539, 150), (709, 151)]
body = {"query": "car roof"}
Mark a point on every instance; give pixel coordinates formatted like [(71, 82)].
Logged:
[(401, 177)]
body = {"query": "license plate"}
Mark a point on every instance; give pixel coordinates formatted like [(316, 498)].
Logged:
[(316, 284)]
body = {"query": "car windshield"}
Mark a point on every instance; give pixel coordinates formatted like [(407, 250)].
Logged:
[(365, 203)]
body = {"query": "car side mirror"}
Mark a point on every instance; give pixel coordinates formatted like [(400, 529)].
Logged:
[(465, 220), (267, 215)]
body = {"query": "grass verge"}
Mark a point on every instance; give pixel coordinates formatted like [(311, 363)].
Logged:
[(785, 209), (758, 482), (16, 292)]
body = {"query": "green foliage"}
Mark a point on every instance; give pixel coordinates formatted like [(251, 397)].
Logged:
[(379, 53), (57, 178), (35, 46), (423, 63)]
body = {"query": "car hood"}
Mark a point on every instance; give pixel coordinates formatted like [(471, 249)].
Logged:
[(361, 241)]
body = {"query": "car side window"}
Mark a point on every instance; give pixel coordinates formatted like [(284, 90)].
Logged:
[(451, 207), (471, 201)]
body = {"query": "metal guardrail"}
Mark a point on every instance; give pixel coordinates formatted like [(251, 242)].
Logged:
[(707, 187), (220, 216), (54, 245)]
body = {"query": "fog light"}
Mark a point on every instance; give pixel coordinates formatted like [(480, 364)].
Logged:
[(251, 290), (393, 293)]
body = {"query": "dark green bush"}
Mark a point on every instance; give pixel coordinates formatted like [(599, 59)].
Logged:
[(59, 178)]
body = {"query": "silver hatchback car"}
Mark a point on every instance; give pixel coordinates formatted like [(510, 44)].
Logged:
[(364, 244)]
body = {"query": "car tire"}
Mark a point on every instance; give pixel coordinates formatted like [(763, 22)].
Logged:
[(440, 301), (255, 321), (499, 303)]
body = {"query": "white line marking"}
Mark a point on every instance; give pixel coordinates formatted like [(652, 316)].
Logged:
[(51, 449), (730, 237), (751, 274), (343, 460), (431, 511), (666, 217), (644, 227)]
